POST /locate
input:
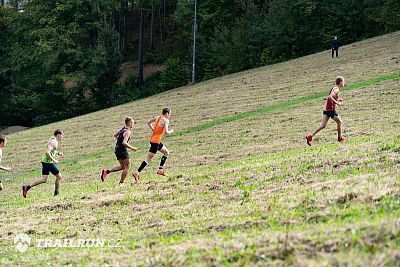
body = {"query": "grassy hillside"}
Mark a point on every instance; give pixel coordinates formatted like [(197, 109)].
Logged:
[(244, 188)]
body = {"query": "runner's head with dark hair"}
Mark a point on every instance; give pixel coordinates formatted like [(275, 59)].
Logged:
[(59, 134), (3, 139), (166, 112), (129, 122), (58, 131), (339, 79)]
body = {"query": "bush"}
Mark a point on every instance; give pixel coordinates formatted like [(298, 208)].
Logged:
[(175, 74)]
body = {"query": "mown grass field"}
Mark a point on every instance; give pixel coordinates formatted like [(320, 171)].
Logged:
[(244, 188)]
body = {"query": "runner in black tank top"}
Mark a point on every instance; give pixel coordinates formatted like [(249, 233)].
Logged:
[(121, 152), (119, 147)]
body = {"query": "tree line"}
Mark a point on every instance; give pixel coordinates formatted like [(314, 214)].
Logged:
[(62, 58)]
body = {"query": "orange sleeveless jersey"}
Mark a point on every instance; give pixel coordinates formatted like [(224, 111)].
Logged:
[(157, 133)]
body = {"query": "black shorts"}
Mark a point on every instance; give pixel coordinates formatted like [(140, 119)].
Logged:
[(330, 113), (121, 154), (49, 167), (154, 147)]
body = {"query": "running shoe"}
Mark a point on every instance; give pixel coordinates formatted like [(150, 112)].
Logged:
[(161, 172), (103, 175), (24, 190), (309, 140), (136, 176)]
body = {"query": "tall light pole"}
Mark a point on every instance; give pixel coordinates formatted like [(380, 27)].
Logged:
[(194, 41)]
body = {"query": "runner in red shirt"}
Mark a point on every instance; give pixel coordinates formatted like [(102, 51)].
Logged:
[(330, 112)]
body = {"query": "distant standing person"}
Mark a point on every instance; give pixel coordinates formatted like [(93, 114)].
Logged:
[(49, 162), (335, 46), (3, 142), (330, 112), (159, 127), (123, 136)]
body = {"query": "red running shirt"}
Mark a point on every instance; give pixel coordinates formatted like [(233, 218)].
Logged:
[(330, 105)]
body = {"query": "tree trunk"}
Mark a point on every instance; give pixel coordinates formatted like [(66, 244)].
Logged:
[(94, 33), (174, 12), (15, 5), (123, 26), (140, 80), (165, 16), (152, 27), (165, 10), (160, 26)]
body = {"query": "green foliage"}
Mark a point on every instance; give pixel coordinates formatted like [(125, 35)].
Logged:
[(236, 48), (130, 90), (6, 37), (102, 69), (175, 75), (60, 59), (286, 29), (64, 60)]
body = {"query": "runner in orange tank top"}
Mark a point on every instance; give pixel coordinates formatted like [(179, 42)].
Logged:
[(158, 132), (330, 112), (159, 126)]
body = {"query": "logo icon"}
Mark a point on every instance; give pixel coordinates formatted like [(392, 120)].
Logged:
[(22, 242)]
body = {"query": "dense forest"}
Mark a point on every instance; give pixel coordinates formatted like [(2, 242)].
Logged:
[(62, 58)]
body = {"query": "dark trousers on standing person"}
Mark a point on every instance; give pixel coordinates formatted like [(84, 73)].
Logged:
[(337, 52)]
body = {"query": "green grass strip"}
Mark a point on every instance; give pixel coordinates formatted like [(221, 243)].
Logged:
[(282, 105)]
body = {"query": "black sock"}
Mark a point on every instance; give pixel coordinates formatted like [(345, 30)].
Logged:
[(162, 162), (108, 171), (144, 164)]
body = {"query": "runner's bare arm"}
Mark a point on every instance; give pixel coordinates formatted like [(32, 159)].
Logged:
[(150, 123), (116, 134), (167, 131), (48, 150), (8, 169), (127, 134)]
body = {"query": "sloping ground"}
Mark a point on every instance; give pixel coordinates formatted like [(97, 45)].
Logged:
[(12, 129), (244, 188)]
